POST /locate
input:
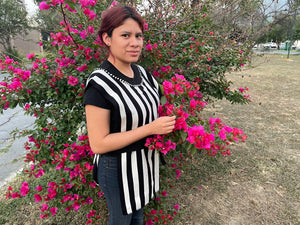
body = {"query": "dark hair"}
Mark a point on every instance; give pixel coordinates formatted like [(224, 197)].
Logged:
[(115, 17)]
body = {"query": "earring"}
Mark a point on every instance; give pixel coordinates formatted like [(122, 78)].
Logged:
[(108, 44)]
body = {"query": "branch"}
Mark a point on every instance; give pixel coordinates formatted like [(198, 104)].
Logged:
[(68, 29)]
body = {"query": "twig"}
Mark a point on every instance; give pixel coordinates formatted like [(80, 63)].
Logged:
[(68, 30)]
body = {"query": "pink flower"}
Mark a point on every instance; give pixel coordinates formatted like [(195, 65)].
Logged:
[(148, 47), (53, 211), (222, 134), (83, 34), (168, 87), (178, 174), (91, 214), (82, 68), (149, 222), (44, 6), (43, 60), (146, 26), (70, 9), (44, 207), (164, 193), (39, 188), (153, 212), (90, 30), (114, 3), (24, 189), (40, 173), (176, 207), (73, 80), (30, 56), (37, 198), (89, 13), (43, 216), (76, 205), (27, 106)]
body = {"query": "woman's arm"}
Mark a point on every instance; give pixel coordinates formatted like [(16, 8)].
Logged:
[(102, 141)]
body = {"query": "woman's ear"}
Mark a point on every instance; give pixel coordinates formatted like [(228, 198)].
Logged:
[(106, 39)]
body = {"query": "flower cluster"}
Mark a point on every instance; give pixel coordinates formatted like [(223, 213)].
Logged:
[(73, 166), (183, 99)]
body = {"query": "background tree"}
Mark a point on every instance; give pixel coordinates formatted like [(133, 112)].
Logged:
[(253, 21), (13, 22)]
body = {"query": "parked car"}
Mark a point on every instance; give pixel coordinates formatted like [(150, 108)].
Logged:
[(270, 45), (283, 46)]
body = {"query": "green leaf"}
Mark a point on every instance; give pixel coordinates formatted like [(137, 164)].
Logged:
[(163, 100)]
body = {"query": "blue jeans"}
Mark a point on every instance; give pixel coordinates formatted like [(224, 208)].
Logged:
[(108, 181)]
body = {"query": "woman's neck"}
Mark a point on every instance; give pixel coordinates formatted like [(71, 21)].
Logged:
[(124, 68)]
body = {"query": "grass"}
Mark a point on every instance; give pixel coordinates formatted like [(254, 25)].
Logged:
[(257, 184), (6, 148)]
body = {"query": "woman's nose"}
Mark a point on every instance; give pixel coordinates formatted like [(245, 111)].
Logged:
[(134, 41)]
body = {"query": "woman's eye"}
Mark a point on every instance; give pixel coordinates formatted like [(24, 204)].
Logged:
[(139, 36), (125, 35)]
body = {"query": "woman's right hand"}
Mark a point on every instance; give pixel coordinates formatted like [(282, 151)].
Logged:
[(163, 125)]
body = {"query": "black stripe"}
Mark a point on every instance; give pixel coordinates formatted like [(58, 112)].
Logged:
[(120, 187), (149, 176), (141, 177), (130, 181)]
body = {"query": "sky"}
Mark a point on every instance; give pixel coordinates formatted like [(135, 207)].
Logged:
[(31, 7)]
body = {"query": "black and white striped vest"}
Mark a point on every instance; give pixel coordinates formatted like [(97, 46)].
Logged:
[(134, 103)]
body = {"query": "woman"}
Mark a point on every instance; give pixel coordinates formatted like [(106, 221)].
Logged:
[(121, 103)]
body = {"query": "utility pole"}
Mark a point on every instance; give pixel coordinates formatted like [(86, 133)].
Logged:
[(293, 26)]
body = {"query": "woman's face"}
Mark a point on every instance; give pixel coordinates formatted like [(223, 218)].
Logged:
[(126, 42)]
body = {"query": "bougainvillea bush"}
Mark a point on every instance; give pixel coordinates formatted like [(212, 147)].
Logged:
[(184, 53)]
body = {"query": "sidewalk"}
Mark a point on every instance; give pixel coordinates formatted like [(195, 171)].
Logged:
[(12, 151)]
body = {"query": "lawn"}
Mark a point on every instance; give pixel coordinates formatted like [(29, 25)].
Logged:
[(258, 183)]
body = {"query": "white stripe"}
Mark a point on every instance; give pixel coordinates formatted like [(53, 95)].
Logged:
[(144, 72), (142, 107), (156, 170), (148, 89), (150, 103), (151, 172), (125, 182), (147, 105), (135, 177), (96, 159), (116, 97), (145, 175), (154, 92)]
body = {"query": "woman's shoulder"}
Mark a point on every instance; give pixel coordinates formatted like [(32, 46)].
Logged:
[(147, 75)]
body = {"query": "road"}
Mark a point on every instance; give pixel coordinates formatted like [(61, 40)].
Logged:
[(12, 150)]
